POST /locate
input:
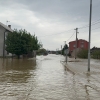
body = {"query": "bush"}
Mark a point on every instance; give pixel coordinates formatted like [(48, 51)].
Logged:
[(83, 54), (69, 54), (41, 51), (96, 54)]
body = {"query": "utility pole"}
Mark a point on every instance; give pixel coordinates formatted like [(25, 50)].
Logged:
[(76, 43), (64, 48), (58, 51), (61, 49), (89, 35)]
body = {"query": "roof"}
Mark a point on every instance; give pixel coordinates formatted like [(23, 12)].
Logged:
[(95, 48), (6, 27), (78, 40)]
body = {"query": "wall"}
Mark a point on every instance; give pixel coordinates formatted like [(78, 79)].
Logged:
[(72, 45), (2, 30), (80, 44), (83, 44)]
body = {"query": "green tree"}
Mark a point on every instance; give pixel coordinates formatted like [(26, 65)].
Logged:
[(41, 51), (13, 43), (35, 43), (64, 48), (21, 42)]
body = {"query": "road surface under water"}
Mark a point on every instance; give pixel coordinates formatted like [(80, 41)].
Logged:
[(43, 79)]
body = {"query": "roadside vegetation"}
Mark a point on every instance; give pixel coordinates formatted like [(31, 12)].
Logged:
[(83, 54), (64, 48), (96, 54), (21, 42), (42, 51)]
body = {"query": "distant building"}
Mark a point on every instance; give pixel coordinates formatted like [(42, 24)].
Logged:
[(4, 30), (95, 49), (81, 44)]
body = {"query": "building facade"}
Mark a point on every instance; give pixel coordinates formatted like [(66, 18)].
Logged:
[(4, 30), (81, 44)]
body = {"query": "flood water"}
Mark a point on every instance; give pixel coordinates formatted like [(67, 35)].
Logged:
[(43, 79)]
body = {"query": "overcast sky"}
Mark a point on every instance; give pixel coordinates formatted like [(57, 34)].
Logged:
[(53, 21)]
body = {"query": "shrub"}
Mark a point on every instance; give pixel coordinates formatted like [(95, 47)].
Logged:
[(96, 54), (83, 54)]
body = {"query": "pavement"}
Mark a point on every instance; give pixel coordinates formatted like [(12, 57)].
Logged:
[(80, 66)]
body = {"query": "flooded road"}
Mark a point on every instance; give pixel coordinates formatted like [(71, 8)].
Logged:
[(43, 79)]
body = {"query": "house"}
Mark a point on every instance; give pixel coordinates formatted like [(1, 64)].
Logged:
[(4, 30), (95, 52), (95, 49), (81, 44)]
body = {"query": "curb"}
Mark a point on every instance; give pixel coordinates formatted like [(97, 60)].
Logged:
[(72, 69), (64, 64), (93, 86)]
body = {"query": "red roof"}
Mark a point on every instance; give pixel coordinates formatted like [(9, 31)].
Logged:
[(78, 40)]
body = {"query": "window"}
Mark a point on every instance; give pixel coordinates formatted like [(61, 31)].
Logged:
[(82, 45), (74, 45), (82, 42)]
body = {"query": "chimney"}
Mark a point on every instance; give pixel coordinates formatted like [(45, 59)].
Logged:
[(9, 26)]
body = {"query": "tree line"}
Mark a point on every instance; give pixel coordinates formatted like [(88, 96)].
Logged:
[(21, 42)]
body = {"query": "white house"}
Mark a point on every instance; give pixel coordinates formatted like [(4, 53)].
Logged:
[(4, 30)]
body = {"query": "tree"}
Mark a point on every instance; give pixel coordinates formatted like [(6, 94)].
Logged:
[(41, 51), (13, 43), (21, 42), (64, 48)]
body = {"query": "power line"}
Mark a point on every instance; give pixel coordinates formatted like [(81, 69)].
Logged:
[(96, 28), (88, 25), (91, 29), (56, 33), (94, 23), (71, 36)]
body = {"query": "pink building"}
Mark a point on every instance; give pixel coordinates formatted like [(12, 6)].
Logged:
[(83, 44)]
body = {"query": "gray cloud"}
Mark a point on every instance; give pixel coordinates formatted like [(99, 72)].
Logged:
[(45, 17)]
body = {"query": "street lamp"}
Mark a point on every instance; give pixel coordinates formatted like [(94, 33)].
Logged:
[(76, 42), (89, 35)]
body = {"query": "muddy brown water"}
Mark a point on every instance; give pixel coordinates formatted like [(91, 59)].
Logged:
[(42, 79)]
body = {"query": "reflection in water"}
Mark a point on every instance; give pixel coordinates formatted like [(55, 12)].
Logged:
[(87, 92), (15, 78), (17, 64), (86, 86), (74, 87), (91, 89), (16, 70)]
